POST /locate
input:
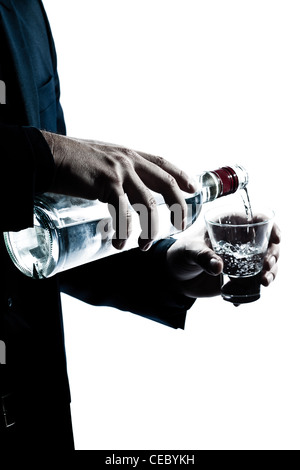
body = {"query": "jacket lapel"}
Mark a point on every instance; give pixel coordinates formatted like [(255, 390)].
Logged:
[(22, 64)]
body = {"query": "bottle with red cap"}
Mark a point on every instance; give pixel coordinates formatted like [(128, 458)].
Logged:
[(69, 231)]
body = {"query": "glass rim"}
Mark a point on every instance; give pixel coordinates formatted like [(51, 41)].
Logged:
[(266, 220)]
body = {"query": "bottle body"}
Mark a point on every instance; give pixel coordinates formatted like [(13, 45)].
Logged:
[(70, 231)]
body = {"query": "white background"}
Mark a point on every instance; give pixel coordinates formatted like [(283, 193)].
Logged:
[(201, 83)]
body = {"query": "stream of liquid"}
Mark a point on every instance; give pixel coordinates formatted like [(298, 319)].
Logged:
[(247, 204)]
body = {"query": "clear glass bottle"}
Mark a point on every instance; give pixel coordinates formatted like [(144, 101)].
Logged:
[(70, 231)]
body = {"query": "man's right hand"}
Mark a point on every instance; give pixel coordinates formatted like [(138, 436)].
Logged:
[(111, 173)]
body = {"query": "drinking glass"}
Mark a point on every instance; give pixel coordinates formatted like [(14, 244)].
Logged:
[(241, 240)]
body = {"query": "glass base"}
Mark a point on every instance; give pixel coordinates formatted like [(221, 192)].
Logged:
[(242, 290)]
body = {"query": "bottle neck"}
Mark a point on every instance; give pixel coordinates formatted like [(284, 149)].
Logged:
[(221, 182)]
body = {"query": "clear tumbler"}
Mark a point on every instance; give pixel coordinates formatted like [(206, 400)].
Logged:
[(241, 241)]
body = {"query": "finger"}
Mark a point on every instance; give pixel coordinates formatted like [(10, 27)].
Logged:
[(271, 257), (164, 183), (121, 217), (143, 202), (207, 260), (211, 263), (207, 239), (183, 180), (275, 236), (267, 277)]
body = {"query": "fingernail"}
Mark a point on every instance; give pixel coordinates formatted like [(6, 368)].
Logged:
[(270, 277), (214, 265), (184, 223), (272, 261), (146, 247), (120, 245)]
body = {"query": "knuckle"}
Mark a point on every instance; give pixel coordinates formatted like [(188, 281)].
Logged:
[(123, 160), (151, 203), (160, 161), (128, 152), (116, 179), (171, 180), (125, 152)]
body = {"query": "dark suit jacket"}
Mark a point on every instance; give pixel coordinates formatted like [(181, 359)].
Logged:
[(31, 320)]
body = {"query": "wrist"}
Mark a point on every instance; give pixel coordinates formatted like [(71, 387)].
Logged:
[(48, 136)]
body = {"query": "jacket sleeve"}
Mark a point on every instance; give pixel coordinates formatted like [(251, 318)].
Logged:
[(133, 280), (27, 167)]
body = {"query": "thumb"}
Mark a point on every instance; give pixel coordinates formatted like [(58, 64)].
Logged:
[(209, 261)]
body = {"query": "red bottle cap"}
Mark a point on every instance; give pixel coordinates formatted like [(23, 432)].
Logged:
[(229, 178)]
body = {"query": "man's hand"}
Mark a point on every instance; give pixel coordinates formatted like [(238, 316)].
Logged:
[(197, 269), (110, 173)]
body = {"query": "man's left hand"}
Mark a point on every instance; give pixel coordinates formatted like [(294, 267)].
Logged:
[(197, 268)]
